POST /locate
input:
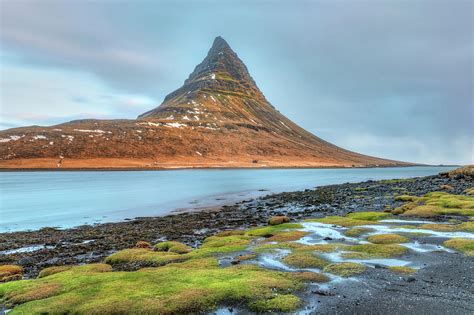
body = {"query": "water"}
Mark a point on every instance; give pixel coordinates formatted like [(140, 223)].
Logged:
[(31, 200)]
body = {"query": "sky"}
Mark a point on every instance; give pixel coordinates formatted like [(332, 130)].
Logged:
[(391, 78)]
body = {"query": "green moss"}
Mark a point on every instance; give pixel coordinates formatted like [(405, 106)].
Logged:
[(345, 269), (461, 244), (360, 189), (357, 231), (469, 191), (272, 230), (280, 219), (395, 181), (387, 239), (375, 251), (462, 227), (53, 270), (342, 221), (144, 256), (173, 247), (369, 216), (280, 303), (437, 203), (305, 259), (406, 198), (10, 273), (191, 287), (287, 236), (309, 276), (402, 270)]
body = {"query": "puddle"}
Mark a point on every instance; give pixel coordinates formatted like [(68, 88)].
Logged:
[(424, 248), (389, 262), (27, 249)]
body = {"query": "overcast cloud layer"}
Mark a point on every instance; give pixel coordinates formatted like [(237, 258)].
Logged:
[(387, 78)]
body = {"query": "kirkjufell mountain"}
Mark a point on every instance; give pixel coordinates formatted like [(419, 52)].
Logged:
[(218, 118)]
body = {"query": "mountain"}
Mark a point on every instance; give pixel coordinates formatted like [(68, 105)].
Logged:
[(218, 118)]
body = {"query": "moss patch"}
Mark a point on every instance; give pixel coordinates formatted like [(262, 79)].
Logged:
[(387, 239), (287, 236), (305, 259), (462, 227), (369, 216), (144, 257), (375, 251), (435, 204), (345, 269), (272, 230), (280, 303), (357, 231), (53, 270), (280, 219), (461, 244), (173, 247), (342, 221), (10, 273), (402, 270), (195, 286), (309, 276)]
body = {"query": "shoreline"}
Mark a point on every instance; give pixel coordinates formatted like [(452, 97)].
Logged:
[(179, 168), (92, 243)]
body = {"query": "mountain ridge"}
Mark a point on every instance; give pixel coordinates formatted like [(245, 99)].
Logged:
[(217, 118)]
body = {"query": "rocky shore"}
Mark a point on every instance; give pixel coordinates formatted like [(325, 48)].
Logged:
[(36, 250)]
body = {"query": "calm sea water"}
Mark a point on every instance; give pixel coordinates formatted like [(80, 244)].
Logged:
[(31, 200)]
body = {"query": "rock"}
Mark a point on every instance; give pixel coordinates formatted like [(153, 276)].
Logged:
[(410, 279), (27, 261)]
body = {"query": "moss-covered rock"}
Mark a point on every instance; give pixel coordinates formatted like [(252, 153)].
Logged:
[(143, 244), (280, 219)]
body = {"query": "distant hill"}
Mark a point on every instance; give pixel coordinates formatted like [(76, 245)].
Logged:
[(218, 118)]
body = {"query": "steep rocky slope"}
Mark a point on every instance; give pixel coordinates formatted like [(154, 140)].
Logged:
[(218, 118)]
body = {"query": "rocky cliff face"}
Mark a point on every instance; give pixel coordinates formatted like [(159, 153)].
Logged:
[(219, 117)]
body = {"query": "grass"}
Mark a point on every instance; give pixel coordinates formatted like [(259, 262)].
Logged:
[(402, 270), (387, 239), (346, 269), (461, 244), (194, 286), (173, 247), (375, 251), (10, 273), (357, 231), (305, 259)]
